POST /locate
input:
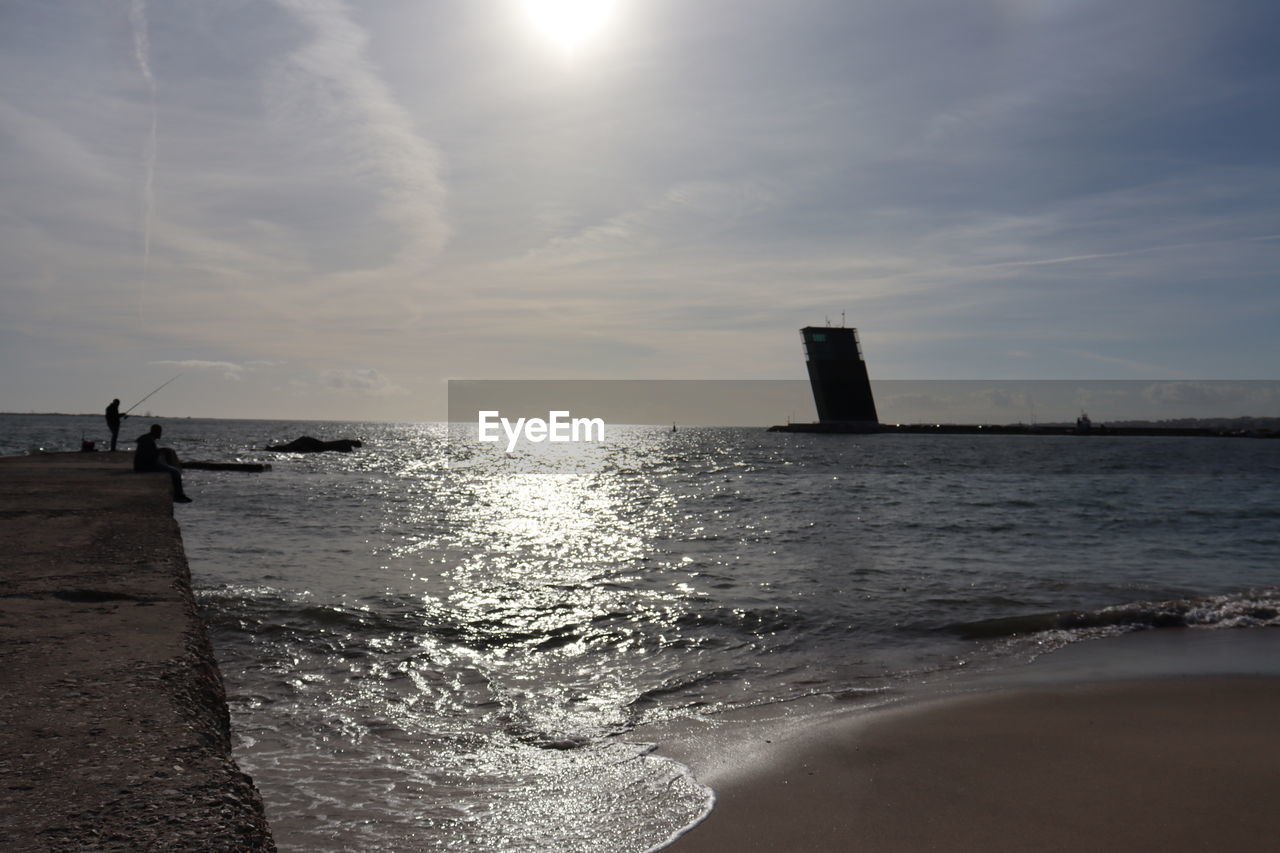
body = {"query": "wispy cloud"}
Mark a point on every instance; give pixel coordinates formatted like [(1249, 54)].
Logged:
[(1127, 363), (361, 380), (54, 150), (1174, 394), (330, 85), (1144, 250), (229, 370), (695, 212)]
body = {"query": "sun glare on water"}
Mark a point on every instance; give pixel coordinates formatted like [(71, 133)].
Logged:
[(569, 24)]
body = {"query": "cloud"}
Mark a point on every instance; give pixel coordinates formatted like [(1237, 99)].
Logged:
[(361, 380), (1195, 394), (1071, 259), (331, 87), (230, 370), (687, 213), (52, 150), (1127, 363), (1002, 400)]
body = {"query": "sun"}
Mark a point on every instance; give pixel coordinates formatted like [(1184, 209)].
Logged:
[(569, 24)]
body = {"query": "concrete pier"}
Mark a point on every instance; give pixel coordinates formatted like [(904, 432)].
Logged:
[(115, 733)]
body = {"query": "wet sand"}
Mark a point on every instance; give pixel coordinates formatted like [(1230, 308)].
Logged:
[(114, 733), (1170, 763)]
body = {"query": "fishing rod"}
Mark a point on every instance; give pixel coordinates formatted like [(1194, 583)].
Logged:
[(146, 398)]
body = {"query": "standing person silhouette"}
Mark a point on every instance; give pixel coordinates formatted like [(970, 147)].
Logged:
[(147, 458), (113, 421)]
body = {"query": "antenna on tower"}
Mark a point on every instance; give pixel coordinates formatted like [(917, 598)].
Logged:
[(842, 319)]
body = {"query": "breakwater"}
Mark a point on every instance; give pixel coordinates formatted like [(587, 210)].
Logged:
[(116, 734), (839, 427)]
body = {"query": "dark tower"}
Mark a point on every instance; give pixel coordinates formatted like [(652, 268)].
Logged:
[(838, 375)]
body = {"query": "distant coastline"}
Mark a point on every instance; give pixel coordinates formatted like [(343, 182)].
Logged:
[(88, 415), (1238, 424), (1243, 422), (1241, 427), (163, 417), (1245, 426)]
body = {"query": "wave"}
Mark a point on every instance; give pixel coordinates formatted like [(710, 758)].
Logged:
[(401, 621), (1252, 609)]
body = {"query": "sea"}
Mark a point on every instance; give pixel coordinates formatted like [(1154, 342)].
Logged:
[(427, 651)]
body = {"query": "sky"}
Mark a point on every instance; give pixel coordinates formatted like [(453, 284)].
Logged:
[(318, 209)]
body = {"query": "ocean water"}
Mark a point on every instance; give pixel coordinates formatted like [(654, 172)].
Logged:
[(430, 656)]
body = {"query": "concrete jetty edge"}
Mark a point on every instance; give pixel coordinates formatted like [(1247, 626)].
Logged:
[(116, 733)]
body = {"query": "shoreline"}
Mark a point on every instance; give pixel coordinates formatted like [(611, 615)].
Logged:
[(116, 728), (1133, 742)]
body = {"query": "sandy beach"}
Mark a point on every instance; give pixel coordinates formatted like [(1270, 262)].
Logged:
[(1169, 763)]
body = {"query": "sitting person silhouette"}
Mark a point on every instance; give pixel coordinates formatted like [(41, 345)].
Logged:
[(148, 458)]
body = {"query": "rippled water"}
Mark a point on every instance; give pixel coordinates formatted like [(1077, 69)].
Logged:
[(423, 656)]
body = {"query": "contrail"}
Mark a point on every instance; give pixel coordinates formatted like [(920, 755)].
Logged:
[(142, 55)]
